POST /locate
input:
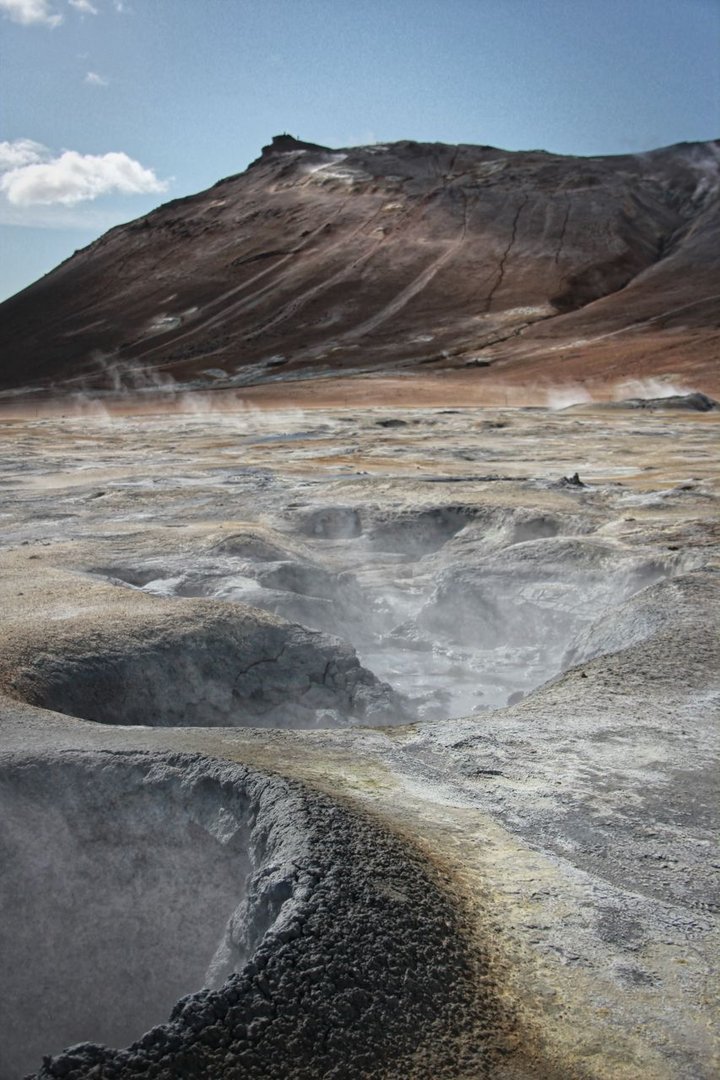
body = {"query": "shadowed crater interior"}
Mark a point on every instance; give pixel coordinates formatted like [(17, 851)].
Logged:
[(118, 883)]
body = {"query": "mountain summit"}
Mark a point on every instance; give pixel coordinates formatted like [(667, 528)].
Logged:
[(317, 260)]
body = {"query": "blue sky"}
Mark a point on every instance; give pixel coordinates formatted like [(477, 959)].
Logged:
[(110, 107)]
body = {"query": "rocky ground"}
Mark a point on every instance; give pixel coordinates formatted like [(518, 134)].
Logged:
[(431, 718)]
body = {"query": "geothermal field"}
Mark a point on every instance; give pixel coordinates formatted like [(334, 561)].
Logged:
[(370, 736), (359, 720)]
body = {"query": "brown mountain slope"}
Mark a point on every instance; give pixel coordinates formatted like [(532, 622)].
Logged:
[(381, 257)]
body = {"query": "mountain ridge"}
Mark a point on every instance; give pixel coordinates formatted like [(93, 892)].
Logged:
[(390, 257)]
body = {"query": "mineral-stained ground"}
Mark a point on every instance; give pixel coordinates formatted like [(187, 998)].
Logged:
[(359, 742)]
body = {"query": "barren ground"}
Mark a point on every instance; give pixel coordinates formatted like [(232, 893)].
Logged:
[(530, 715)]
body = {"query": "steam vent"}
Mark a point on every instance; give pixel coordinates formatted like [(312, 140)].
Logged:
[(360, 650)]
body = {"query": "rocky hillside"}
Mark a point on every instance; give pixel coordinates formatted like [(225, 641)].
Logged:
[(387, 256)]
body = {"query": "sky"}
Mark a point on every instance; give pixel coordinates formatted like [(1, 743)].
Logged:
[(110, 107)]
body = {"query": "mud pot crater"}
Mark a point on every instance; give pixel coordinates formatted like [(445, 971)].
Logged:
[(458, 608), (200, 913), (202, 664)]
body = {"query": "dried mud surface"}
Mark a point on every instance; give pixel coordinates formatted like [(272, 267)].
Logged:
[(477, 699)]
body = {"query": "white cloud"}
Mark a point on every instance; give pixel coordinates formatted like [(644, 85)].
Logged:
[(31, 12), (94, 79), (45, 13), (13, 155), (121, 7), (31, 177)]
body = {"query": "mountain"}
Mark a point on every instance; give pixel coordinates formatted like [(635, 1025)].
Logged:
[(381, 257)]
